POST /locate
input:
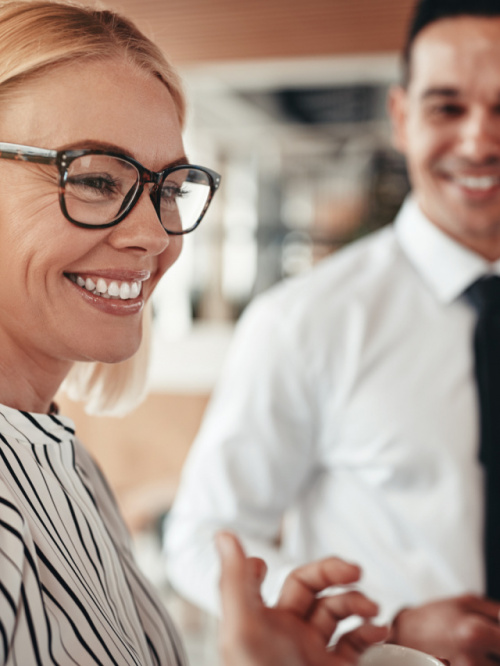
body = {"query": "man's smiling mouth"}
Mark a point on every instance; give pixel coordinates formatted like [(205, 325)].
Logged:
[(478, 183)]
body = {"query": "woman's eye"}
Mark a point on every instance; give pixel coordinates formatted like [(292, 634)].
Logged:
[(95, 182), (171, 193)]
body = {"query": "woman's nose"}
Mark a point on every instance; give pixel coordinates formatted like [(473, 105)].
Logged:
[(141, 230)]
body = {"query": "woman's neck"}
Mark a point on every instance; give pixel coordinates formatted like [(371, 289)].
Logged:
[(29, 385)]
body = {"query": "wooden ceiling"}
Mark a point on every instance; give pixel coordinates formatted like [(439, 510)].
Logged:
[(195, 31)]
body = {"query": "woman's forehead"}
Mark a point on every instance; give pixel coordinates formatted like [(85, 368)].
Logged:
[(111, 101)]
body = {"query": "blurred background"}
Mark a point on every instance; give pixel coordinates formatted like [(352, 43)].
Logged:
[(287, 100)]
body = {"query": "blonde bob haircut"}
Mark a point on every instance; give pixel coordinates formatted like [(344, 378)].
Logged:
[(37, 36)]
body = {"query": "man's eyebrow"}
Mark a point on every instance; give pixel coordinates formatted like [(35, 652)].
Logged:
[(447, 93), (113, 148), (450, 93)]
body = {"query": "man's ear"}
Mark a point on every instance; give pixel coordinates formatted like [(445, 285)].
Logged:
[(397, 104)]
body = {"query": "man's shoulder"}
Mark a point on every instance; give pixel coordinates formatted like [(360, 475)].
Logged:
[(359, 268)]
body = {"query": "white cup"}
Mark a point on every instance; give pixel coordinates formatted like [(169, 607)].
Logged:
[(396, 655)]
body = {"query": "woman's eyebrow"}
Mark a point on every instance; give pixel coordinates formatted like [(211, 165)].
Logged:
[(89, 144), (98, 145), (181, 161)]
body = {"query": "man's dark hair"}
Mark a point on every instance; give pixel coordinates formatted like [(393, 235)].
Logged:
[(429, 11)]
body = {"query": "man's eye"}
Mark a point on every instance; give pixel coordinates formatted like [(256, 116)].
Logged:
[(446, 110)]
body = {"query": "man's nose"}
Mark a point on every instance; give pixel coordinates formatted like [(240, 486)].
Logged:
[(479, 138)]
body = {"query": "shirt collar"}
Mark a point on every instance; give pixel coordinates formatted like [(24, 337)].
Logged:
[(446, 266)]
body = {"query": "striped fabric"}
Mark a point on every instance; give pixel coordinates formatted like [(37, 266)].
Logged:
[(70, 592)]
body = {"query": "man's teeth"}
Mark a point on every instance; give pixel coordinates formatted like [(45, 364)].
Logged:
[(122, 290), (478, 182)]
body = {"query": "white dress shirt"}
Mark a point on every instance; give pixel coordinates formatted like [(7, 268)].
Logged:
[(345, 423)]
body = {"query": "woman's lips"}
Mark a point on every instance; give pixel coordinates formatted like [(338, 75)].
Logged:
[(119, 298)]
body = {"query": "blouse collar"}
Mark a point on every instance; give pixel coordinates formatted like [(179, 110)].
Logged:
[(35, 428)]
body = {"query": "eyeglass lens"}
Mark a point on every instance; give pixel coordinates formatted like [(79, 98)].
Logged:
[(100, 187)]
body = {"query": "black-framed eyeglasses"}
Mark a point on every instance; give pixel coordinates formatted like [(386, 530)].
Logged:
[(99, 188)]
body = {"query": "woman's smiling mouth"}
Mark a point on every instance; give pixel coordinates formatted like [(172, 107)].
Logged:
[(115, 289)]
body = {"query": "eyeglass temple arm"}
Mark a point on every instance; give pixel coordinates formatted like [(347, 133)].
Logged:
[(16, 151)]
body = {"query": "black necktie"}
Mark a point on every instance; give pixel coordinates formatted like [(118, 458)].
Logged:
[(485, 297)]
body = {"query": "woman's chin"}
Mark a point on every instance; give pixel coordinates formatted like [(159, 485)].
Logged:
[(113, 353)]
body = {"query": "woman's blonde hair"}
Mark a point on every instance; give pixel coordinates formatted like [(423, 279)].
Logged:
[(36, 36)]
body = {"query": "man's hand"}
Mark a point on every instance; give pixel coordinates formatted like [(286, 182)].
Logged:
[(297, 631), (464, 630)]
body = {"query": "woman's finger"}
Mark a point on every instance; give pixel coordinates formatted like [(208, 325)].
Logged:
[(302, 585), (328, 611), (351, 645)]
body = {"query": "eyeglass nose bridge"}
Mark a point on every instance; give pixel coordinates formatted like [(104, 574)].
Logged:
[(153, 180), (150, 179)]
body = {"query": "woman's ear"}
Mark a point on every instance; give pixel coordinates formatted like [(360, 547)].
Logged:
[(397, 107)]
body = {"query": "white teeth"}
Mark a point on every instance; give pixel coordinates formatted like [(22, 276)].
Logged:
[(125, 291), (101, 286), (115, 290), (478, 182)]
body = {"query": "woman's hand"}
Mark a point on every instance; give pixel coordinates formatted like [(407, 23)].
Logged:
[(297, 631)]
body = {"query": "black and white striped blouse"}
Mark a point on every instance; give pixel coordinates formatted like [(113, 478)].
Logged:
[(70, 592)]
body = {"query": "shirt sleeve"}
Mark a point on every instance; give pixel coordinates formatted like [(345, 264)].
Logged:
[(254, 454)]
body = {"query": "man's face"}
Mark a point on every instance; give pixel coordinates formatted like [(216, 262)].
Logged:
[(447, 123)]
